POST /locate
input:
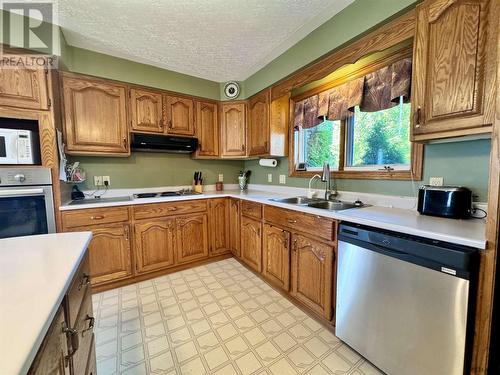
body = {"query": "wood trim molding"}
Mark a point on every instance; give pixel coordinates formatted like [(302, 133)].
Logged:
[(388, 35)]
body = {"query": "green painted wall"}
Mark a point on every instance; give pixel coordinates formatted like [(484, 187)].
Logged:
[(89, 62), (460, 163), (350, 23), (143, 169)]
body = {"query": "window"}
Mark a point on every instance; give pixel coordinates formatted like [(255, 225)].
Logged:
[(379, 140)]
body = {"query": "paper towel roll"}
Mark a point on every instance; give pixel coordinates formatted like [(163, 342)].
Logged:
[(268, 162)]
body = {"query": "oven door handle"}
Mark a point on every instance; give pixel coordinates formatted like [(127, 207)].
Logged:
[(21, 192)]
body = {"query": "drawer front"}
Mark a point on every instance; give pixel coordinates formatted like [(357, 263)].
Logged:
[(165, 209), (85, 332), (251, 209), (94, 216), (301, 222), (77, 290)]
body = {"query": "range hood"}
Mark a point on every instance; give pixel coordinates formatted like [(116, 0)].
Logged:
[(163, 143)]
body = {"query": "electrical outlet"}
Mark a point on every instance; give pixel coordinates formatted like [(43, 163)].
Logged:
[(436, 181), (106, 179), (282, 179), (97, 180), (269, 177), (221, 177)]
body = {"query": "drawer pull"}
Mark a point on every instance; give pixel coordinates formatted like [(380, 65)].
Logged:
[(84, 281), (74, 340), (291, 221), (97, 217), (172, 209)]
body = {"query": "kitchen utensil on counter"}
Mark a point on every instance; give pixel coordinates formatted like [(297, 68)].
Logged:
[(219, 186), (198, 182), (243, 179)]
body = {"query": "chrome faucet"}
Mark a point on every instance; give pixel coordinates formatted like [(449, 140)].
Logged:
[(326, 177)]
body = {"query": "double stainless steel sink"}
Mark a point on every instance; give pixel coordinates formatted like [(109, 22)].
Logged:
[(319, 203)]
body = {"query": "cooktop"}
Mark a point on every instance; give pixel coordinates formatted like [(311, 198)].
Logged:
[(177, 193)]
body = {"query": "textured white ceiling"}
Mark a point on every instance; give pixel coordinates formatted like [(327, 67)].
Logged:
[(219, 40)]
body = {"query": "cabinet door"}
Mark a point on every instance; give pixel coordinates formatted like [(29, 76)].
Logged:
[(192, 238), (180, 115), (207, 129), (278, 126), (50, 359), (95, 117), (312, 274), (251, 243), (219, 226), (276, 256), (233, 135), (109, 253), (146, 111), (154, 244), (24, 87), (450, 68), (234, 226), (258, 124)]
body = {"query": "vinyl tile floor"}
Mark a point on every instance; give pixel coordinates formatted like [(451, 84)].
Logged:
[(218, 318)]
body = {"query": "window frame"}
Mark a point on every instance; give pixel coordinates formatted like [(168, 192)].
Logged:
[(417, 150)]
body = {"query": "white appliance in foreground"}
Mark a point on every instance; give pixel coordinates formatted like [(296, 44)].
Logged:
[(402, 302)]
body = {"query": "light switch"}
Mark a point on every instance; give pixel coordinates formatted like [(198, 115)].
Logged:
[(282, 179), (221, 177), (269, 177)]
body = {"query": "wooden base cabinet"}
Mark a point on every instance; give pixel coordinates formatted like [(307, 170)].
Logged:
[(219, 226), (234, 226), (154, 244), (251, 243), (311, 267), (192, 238), (276, 256)]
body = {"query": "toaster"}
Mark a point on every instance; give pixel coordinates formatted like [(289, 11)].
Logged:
[(446, 201)]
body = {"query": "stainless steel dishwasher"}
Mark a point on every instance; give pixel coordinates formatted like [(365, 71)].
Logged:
[(403, 301)]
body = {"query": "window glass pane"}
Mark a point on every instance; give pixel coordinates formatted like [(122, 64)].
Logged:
[(380, 138), (321, 144)]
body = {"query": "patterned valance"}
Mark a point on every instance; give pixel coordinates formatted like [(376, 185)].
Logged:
[(374, 92)]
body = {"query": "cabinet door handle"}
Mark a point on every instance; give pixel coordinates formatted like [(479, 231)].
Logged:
[(97, 217), (126, 234), (170, 124), (74, 340), (125, 142), (242, 147), (91, 320), (294, 245), (418, 115), (84, 281)]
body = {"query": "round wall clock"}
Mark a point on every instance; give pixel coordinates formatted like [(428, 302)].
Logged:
[(232, 90)]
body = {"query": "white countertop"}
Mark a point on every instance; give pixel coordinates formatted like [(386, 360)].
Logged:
[(35, 272), (461, 232)]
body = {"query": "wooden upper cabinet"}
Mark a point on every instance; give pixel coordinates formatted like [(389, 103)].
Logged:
[(146, 111), (258, 124), (276, 256), (219, 226), (154, 244), (192, 238), (233, 134), (312, 266), (453, 69), (251, 242), (279, 122), (234, 226), (109, 253), (179, 115), (95, 117), (24, 88), (207, 129)]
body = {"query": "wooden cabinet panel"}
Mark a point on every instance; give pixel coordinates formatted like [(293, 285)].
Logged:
[(146, 111), (145, 211), (192, 238), (77, 291), (233, 134), (207, 129), (95, 117), (154, 244), (93, 216), (276, 256), (24, 87), (51, 355), (109, 252), (311, 265), (258, 124), (251, 209), (84, 327), (91, 363), (251, 243), (234, 226), (451, 73), (312, 224), (180, 115), (219, 226), (278, 126)]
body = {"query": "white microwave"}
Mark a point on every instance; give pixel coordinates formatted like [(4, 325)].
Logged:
[(17, 147)]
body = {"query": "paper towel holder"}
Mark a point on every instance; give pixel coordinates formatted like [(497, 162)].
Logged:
[(271, 163)]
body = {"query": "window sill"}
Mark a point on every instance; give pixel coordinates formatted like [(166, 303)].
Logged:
[(360, 175)]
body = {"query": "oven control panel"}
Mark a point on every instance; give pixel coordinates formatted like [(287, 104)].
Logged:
[(25, 176)]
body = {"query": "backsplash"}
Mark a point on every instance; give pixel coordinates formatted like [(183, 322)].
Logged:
[(460, 163), (144, 169)]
